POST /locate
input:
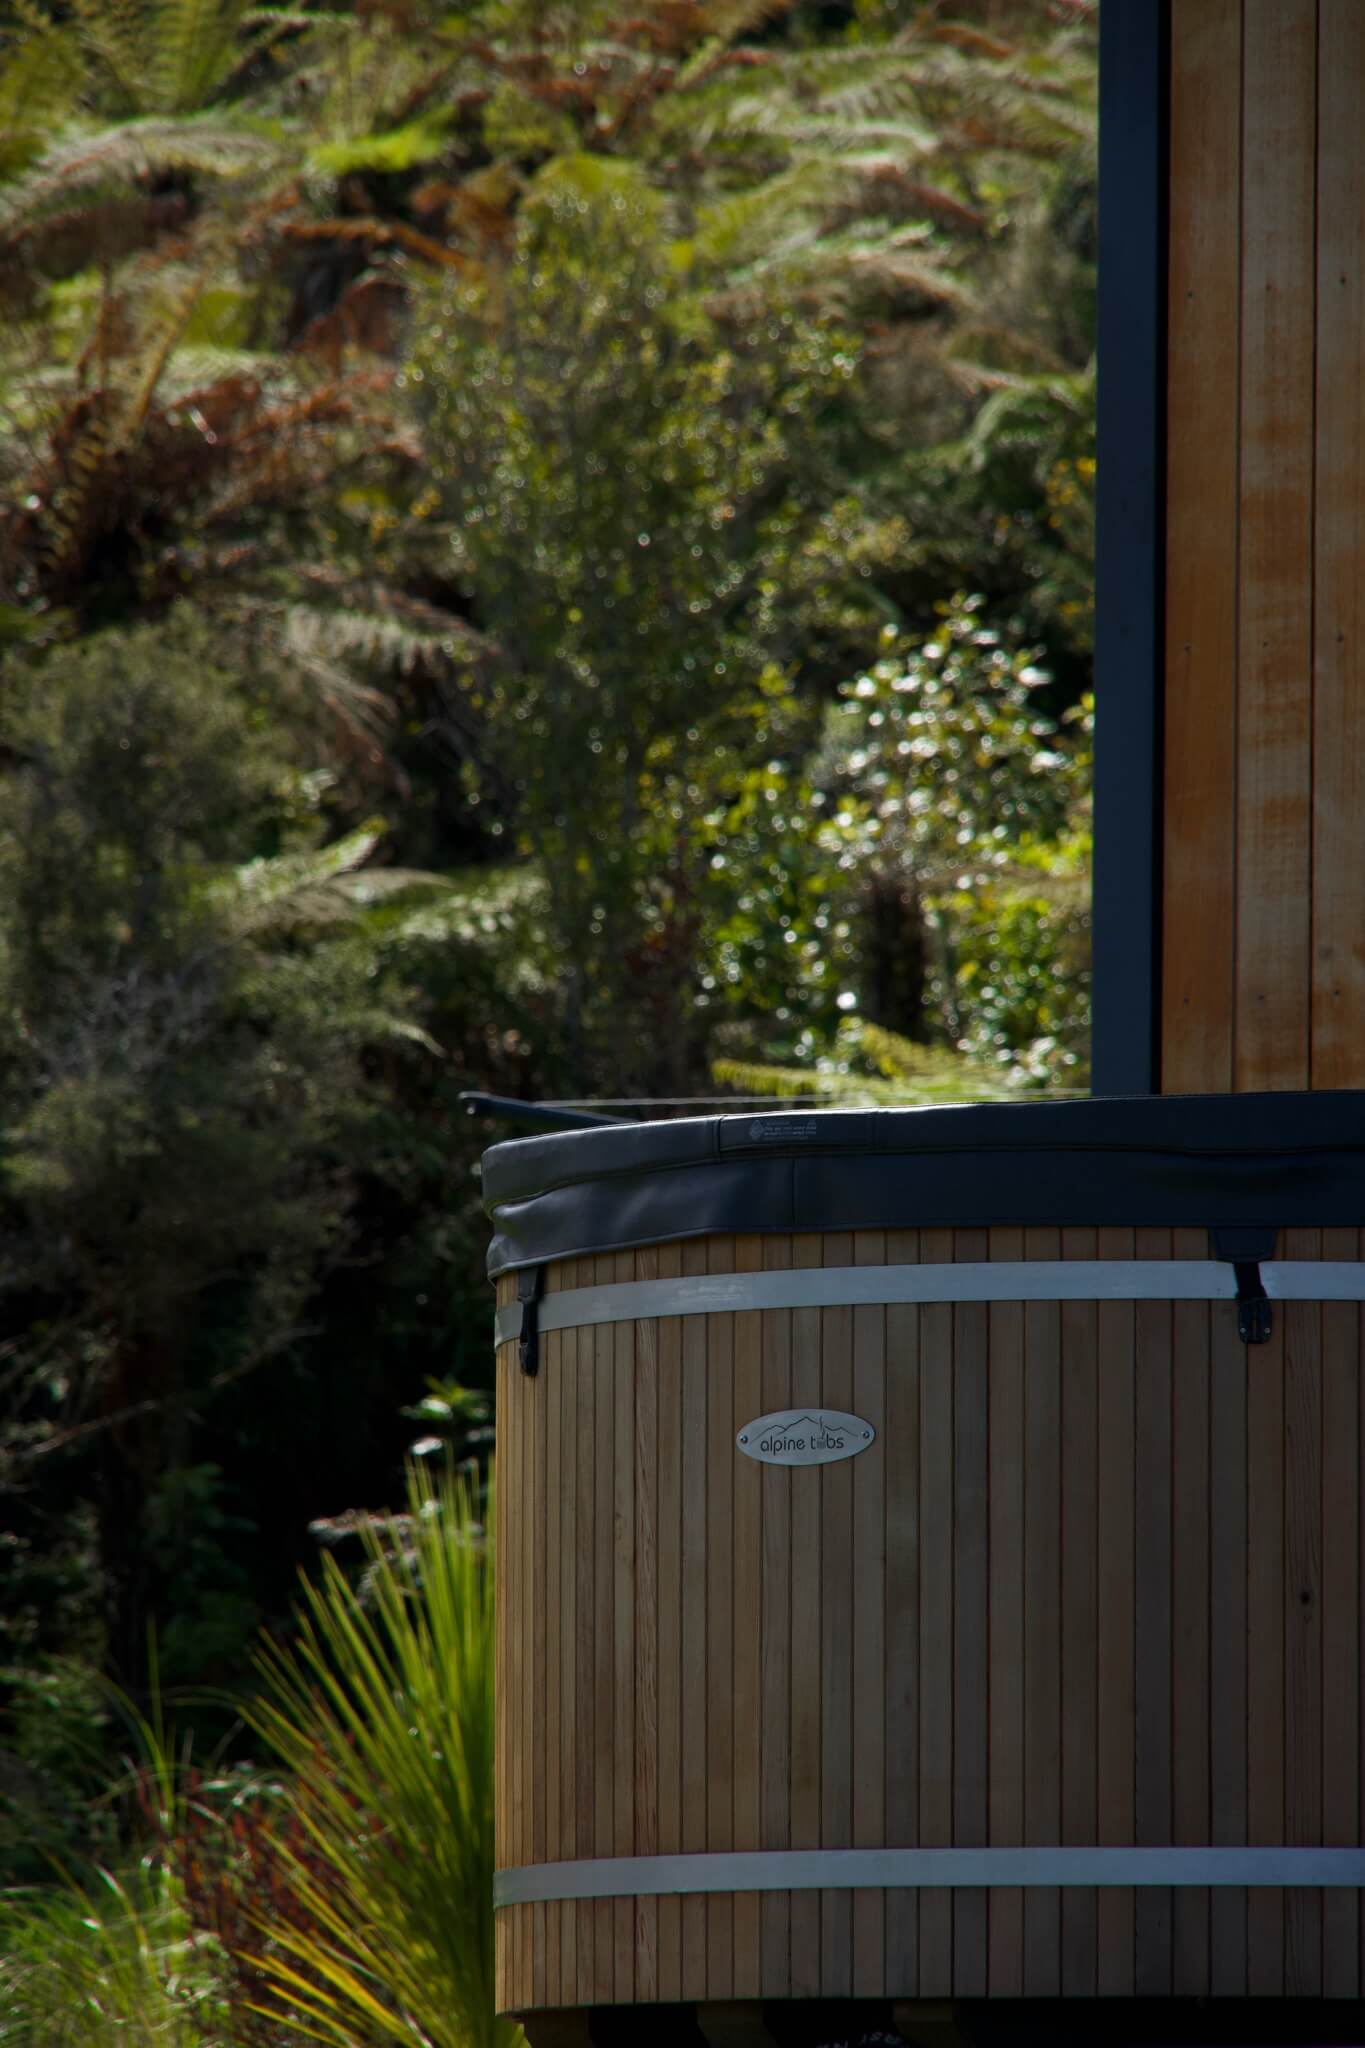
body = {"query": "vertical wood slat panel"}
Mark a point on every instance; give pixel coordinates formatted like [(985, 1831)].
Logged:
[(1005, 1960), (776, 1662), (646, 1629), (1340, 1616), (670, 1625), (971, 1681), (1198, 922), (503, 1694), (694, 1676), (524, 1741), (623, 1544), (720, 1621), (1265, 1649), (902, 1614), (1190, 1617), (553, 1375), (1300, 1444), (1303, 1615), (1228, 1566), (936, 1618), (1266, 318), (514, 1670), (568, 1643), (1080, 1536), (748, 1556), (868, 1472), (1152, 1618), (1114, 1703), (1339, 549), (835, 1509), (585, 1669), (604, 1632), (1042, 1615), (1274, 697), (806, 1610), (536, 1392)]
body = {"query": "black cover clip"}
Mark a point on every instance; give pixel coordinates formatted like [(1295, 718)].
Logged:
[(528, 1344), (1243, 1250)]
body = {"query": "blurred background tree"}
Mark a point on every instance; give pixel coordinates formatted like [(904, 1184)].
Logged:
[(543, 548)]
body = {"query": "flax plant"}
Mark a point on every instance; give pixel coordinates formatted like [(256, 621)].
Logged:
[(382, 1709)]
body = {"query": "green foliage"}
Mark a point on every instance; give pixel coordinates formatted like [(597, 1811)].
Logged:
[(117, 1965), (628, 491), (867, 1065), (946, 751), (573, 427), (54, 1804), (383, 1712), (183, 1036)]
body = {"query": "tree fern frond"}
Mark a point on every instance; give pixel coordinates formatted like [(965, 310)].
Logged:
[(260, 884), (744, 221), (195, 47), (40, 80), (120, 155), (379, 627), (115, 31)]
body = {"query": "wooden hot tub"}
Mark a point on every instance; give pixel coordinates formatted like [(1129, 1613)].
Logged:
[(1050, 1683)]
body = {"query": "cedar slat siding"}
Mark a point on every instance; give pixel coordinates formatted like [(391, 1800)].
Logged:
[(1263, 855), (1099, 1580)]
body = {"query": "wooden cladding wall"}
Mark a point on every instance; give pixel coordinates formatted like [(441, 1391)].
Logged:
[(1263, 972), (1097, 1582)]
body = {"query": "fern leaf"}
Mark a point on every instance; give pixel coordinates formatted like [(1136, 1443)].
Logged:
[(116, 32), (120, 155), (39, 83), (195, 47)]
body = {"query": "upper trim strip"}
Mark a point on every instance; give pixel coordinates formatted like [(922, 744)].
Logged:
[(876, 1869), (1005, 1280)]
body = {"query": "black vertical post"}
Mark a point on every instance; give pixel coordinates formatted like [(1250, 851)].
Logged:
[(1129, 544)]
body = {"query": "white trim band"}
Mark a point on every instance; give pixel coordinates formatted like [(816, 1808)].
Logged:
[(873, 1286), (877, 1869)]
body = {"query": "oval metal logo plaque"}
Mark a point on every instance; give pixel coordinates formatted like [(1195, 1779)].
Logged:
[(805, 1436)]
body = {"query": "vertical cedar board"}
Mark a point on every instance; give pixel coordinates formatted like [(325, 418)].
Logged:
[(1198, 925), (1339, 553), (807, 1608), (1116, 1328), (835, 1508), (936, 1618), (971, 1641), (720, 1621), (1275, 652), (1263, 916), (1042, 1615), (1080, 1515), (1005, 1941), (1190, 1616), (869, 1623)]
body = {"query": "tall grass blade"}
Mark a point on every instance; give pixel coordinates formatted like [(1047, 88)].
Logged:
[(382, 1709)]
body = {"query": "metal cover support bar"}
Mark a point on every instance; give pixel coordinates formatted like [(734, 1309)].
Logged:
[(609, 1877), (872, 1286)]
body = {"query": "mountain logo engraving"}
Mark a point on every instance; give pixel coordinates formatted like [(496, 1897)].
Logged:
[(805, 1436)]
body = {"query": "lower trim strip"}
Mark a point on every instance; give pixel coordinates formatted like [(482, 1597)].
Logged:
[(1003, 1280), (876, 1869)]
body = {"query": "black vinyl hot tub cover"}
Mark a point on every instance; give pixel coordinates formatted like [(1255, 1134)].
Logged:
[(1214, 1161)]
